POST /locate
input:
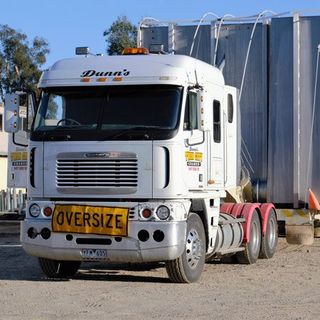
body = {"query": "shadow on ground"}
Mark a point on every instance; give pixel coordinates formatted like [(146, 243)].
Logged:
[(16, 265)]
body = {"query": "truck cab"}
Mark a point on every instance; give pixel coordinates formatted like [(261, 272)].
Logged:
[(130, 157)]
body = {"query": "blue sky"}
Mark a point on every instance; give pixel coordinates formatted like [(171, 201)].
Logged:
[(66, 24)]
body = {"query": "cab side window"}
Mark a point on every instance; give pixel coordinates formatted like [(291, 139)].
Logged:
[(216, 121), (191, 112)]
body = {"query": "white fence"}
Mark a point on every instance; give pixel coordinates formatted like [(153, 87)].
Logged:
[(12, 200)]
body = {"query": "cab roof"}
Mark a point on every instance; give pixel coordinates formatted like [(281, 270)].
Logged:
[(130, 69)]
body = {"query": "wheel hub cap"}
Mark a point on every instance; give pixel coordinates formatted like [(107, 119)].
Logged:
[(193, 248)]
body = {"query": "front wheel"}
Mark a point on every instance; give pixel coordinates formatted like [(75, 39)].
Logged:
[(188, 267), (59, 269)]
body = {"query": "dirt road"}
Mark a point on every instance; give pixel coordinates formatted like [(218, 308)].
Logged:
[(285, 287)]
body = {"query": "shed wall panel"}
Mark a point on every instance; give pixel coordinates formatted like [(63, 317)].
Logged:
[(309, 175), (280, 169)]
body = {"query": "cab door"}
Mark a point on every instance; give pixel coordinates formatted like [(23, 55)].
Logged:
[(232, 137), (217, 135), (195, 164)]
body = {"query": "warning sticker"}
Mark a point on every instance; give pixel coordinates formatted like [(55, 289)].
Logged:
[(189, 155), (198, 156), (194, 160)]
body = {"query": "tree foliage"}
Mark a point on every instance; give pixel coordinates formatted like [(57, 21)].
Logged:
[(20, 60), (120, 35)]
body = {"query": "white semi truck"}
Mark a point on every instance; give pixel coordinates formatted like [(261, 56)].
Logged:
[(131, 160)]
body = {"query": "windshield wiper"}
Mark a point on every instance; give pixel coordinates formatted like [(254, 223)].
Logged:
[(78, 127), (72, 122)]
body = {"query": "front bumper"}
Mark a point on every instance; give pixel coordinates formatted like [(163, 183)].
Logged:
[(161, 241)]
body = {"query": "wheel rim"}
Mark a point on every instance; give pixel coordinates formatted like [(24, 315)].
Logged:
[(193, 248), (255, 240), (272, 234)]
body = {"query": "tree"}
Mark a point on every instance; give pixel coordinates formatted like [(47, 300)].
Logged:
[(120, 35), (20, 61)]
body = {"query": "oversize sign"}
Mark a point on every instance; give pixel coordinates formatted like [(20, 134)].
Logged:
[(90, 220)]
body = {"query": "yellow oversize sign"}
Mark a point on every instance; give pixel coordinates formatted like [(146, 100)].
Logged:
[(90, 220)]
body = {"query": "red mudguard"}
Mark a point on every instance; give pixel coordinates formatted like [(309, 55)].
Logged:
[(245, 210)]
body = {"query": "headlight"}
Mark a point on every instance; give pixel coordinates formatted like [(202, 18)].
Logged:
[(34, 210), (163, 212)]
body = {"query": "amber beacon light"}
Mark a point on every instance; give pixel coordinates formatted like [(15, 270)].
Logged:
[(133, 51)]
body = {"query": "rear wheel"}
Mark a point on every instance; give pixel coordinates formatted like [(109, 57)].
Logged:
[(252, 249), (270, 239), (188, 267), (59, 269)]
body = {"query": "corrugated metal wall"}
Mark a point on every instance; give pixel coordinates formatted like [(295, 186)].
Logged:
[(307, 39), (183, 41), (280, 140), (232, 46), (155, 35), (277, 97)]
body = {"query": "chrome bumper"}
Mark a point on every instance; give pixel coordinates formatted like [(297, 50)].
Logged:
[(63, 246)]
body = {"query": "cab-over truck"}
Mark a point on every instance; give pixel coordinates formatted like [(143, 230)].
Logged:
[(131, 159)]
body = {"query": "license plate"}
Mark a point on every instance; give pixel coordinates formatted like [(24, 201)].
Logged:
[(94, 254), (90, 220)]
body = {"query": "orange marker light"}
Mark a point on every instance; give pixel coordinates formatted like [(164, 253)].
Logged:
[(85, 80), (146, 213), (131, 51), (101, 79), (117, 79), (47, 211)]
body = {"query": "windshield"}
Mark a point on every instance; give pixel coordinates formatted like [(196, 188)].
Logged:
[(94, 113)]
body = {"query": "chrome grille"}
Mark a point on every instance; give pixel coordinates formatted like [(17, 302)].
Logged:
[(97, 173)]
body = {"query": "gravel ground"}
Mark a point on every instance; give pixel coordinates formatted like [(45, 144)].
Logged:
[(285, 287)]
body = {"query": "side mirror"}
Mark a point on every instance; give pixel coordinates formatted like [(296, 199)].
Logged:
[(11, 113), (31, 110), (19, 111)]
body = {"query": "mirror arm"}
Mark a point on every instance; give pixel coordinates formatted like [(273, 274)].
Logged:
[(198, 143), (16, 143)]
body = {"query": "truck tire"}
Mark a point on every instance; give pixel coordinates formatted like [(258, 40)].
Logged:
[(59, 269), (188, 267), (251, 249), (269, 241)]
